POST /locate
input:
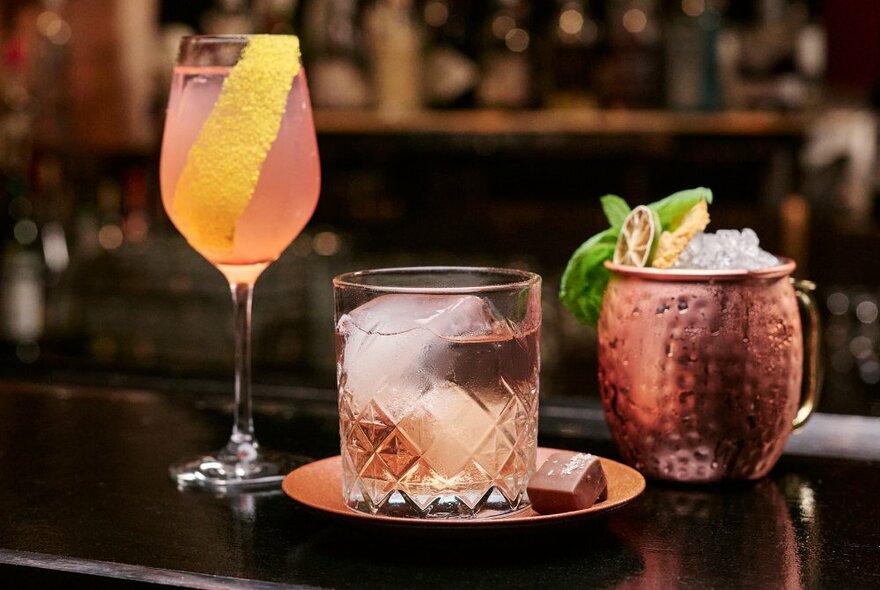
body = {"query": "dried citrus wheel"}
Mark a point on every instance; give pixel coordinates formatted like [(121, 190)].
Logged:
[(672, 243), (636, 240), (224, 164)]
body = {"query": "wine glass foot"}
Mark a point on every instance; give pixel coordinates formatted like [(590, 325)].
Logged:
[(225, 471)]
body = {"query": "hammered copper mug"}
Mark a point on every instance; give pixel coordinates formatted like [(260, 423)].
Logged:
[(704, 374)]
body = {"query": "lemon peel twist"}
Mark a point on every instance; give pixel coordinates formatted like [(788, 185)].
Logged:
[(672, 243), (223, 165)]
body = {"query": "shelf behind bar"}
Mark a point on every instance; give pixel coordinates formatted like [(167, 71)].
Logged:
[(565, 121)]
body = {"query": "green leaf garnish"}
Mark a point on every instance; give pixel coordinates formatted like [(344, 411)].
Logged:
[(673, 208), (585, 278), (615, 210)]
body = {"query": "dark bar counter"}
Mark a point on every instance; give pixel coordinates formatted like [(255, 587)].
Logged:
[(86, 500)]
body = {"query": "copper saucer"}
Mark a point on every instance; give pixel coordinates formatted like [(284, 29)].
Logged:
[(318, 486)]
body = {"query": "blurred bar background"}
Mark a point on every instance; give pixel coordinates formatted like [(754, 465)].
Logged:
[(450, 132)]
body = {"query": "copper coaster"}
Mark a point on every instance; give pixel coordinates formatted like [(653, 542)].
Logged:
[(318, 485)]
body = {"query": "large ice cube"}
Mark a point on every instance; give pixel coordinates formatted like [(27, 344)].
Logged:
[(394, 345)]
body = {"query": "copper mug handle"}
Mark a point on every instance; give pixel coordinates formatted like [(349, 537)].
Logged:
[(813, 366)]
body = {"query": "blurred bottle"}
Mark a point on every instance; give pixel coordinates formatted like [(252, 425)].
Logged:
[(782, 56), (570, 55), (508, 57), (632, 73), (48, 65), (396, 40), (110, 218), (137, 220), (692, 73), (16, 109), (335, 54), (451, 70), (23, 276), (55, 213), (22, 270), (811, 56)]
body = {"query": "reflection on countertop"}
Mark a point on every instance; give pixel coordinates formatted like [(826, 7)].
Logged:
[(99, 504)]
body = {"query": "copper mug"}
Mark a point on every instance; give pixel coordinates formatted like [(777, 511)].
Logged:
[(704, 374)]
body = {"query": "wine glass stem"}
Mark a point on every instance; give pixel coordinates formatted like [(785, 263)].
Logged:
[(242, 440)]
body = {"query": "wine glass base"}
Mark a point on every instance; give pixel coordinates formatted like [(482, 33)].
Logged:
[(225, 471)]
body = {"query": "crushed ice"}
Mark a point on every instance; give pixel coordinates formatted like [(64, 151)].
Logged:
[(725, 249)]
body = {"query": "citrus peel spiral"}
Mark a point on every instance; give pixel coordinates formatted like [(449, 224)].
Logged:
[(224, 164), (672, 243)]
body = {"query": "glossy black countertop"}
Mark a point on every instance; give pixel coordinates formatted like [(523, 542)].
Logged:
[(85, 497)]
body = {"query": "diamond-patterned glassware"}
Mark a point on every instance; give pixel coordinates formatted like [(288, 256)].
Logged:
[(438, 390)]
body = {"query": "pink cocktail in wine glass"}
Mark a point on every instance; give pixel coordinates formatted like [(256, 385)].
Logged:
[(240, 179)]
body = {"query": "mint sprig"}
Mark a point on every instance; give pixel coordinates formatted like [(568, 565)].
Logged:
[(585, 278), (673, 208), (615, 210)]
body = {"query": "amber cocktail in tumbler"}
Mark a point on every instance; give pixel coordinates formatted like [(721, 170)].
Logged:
[(438, 389)]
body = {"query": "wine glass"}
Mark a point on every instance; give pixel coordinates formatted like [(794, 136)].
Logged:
[(240, 179)]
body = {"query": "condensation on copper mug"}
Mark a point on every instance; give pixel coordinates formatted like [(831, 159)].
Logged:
[(700, 380)]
